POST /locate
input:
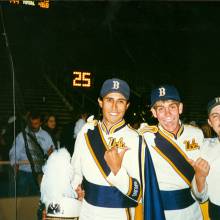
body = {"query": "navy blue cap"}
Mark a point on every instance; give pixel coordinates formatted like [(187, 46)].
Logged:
[(212, 103), (115, 85), (164, 92)]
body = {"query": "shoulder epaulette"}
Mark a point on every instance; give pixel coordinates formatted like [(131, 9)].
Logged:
[(148, 128), (133, 129), (92, 121)]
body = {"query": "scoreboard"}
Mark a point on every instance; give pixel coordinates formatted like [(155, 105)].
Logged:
[(82, 79), (40, 3)]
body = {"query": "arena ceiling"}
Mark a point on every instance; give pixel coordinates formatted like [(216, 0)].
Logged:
[(145, 43)]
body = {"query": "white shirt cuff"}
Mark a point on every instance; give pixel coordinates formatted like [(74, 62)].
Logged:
[(120, 180)]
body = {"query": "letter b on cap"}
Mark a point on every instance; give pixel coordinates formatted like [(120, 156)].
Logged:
[(116, 85), (162, 91), (217, 99)]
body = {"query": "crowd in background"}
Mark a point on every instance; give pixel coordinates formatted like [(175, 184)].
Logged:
[(60, 136)]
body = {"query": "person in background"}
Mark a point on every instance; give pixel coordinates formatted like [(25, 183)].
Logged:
[(50, 125), (211, 152), (80, 122), (27, 155)]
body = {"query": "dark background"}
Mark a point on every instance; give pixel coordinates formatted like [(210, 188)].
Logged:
[(145, 43)]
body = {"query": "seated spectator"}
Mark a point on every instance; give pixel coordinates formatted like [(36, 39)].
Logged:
[(50, 125), (27, 155)]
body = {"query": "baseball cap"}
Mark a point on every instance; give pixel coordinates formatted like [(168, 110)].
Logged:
[(164, 92), (115, 85), (212, 103)]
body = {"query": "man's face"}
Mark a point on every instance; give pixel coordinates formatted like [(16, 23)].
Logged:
[(214, 119), (167, 112), (114, 106), (35, 124)]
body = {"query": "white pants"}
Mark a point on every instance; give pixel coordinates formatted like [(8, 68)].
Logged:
[(90, 212)]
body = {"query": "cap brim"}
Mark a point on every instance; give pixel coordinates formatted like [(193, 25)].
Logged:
[(213, 106), (114, 91), (165, 98)]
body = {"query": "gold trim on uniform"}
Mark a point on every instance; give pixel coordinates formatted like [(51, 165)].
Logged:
[(180, 151), (114, 143), (128, 213), (149, 128), (191, 146), (140, 194), (130, 186), (116, 126), (103, 139), (94, 157), (174, 144), (143, 164), (133, 129), (173, 165), (171, 135), (180, 131), (104, 128), (59, 218)]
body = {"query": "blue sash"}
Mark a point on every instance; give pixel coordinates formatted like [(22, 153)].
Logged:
[(214, 211), (174, 156), (177, 199), (106, 196), (97, 146), (153, 207)]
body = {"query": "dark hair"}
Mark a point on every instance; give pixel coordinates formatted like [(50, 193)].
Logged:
[(35, 115), (48, 115)]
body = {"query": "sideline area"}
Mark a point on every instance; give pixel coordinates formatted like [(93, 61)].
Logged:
[(26, 208)]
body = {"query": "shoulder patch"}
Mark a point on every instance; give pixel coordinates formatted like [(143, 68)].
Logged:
[(148, 128)]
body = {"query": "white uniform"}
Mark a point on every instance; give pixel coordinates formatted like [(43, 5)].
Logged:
[(211, 153), (189, 139), (85, 166)]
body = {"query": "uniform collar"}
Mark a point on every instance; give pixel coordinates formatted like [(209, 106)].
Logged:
[(116, 127), (171, 135)]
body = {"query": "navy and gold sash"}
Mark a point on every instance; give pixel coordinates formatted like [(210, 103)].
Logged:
[(214, 211), (106, 196), (177, 199), (172, 153), (97, 147)]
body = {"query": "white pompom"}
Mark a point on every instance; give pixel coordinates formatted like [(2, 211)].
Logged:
[(58, 173)]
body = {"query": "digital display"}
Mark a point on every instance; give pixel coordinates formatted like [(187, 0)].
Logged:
[(82, 79), (40, 3)]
